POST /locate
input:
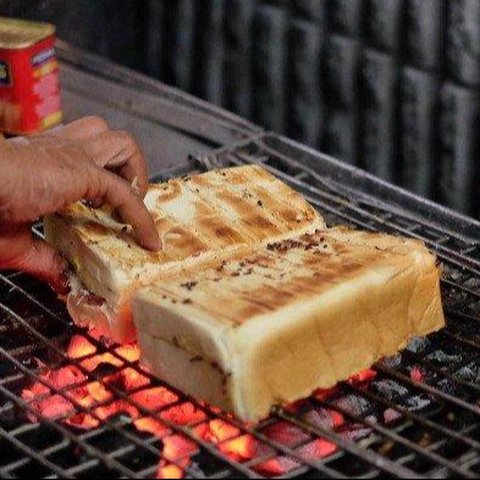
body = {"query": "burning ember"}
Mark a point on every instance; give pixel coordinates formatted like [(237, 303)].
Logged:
[(80, 390), (417, 374)]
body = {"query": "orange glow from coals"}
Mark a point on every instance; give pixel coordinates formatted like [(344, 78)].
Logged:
[(417, 374), (363, 376), (101, 403)]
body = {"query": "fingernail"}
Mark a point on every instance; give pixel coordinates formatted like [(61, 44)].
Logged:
[(135, 186), (158, 245), (153, 244)]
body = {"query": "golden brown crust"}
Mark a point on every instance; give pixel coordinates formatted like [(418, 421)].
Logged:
[(292, 316), (285, 272)]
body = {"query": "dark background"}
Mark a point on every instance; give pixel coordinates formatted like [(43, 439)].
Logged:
[(389, 85)]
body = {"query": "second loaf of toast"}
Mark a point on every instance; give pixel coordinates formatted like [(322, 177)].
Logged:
[(269, 327)]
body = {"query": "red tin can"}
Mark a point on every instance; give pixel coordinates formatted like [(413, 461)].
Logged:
[(29, 80)]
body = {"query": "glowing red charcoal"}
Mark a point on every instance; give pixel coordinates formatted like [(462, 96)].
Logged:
[(151, 425), (176, 449), (183, 414), (417, 374), (241, 448), (64, 377), (319, 448), (219, 431), (98, 392), (169, 471), (363, 376), (54, 405), (121, 355), (83, 421), (285, 433), (106, 374), (154, 398), (132, 379), (276, 467), (114, 408), (324, 394), (80, 347), (91, 363), (130, 353), (282, 465), (325, 418)]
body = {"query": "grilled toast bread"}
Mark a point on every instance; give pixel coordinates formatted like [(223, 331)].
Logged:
[(292, 316), (199, 217), (253, 301)]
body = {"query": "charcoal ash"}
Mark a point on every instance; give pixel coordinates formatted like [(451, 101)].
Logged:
[(451, 387), (443, 353), (439, 356), (389, 389), (417, 402), (472, 283), (324, 418), (469, 373), (288, 434), (418, 344), (453, 297), (371, 419), (356, 431), (391, 362), (474, 309), (452, 273), (353, 404), (399, 394)]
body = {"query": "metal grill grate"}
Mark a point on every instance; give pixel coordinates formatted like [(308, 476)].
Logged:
[(418, 416)]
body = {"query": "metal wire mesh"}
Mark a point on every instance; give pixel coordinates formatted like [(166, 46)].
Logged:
[(417, 415)]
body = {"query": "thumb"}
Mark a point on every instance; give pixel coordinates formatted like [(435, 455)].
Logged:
[(44, 262)]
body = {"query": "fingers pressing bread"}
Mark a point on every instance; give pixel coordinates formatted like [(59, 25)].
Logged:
[(84, 160), (42, 174), (120, 195)]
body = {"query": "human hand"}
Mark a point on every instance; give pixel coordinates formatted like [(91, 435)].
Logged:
[(42, 174)]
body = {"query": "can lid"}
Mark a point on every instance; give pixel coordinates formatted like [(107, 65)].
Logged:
[(17, 34)]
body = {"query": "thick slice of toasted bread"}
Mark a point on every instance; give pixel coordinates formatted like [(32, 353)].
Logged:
[(199, 217), (270, 326)]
